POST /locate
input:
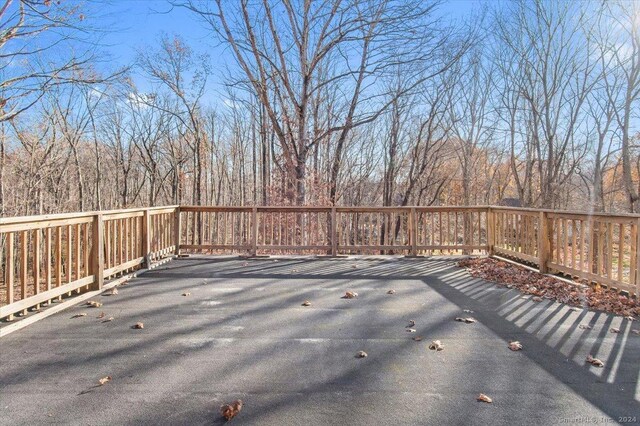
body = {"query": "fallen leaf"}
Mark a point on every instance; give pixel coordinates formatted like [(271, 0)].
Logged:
[(411, 323), (467, 311), (361, 354), (584, 327), (104, 380), (614, 330), (94, 304), (186, 294), (114, 291), (417, 338), (411, 330), (515, 346), (595, 361), (101, 315), (245, 264), (108, 319), (79, 315), (293, 271), (637, 332), (629, 318), (468, 320), (350, 295), (574, 309), (138, 325), (391, 292), (537, 299), (229, 411), (354, 266), (306, 303), (436, 345), (484, 398)]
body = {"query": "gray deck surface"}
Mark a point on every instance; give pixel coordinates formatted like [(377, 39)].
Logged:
[(242, 333)]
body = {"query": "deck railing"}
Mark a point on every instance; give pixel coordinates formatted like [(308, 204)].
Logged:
[(45, 258)]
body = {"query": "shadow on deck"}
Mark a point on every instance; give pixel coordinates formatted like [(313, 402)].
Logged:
[(242, 333)]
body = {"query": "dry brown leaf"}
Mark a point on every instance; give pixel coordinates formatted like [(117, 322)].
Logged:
[(391, 292), (515, 346), (350, 295), (595, 361), (536, 299), (186, 294), (138, 325), (484, 398), (361, 354), (114, 291), (467, 320), (79, 315), (229, 411), (531, 283), (436, 345), (94, 304), (306, 303), (101, 315), (104, 380), (584, 327), (417, 338), (108, 319), (637, 332), (411, 323), (614, 330), (411, 330)]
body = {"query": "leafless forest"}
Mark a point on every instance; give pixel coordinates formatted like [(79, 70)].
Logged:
[(331, 102)]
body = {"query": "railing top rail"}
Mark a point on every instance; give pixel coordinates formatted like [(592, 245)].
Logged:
[(343, 209), (76, 215), (569, 212)]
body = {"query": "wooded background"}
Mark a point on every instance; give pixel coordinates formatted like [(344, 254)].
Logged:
[(353, 102)]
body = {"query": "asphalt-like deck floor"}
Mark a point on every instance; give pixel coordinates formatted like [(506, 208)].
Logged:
[(242, 333)]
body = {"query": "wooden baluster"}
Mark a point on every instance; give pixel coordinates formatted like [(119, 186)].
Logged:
[(78, 254), (23, 267), (47, 258), (544, 243), (621, 233), (97, 251), (9, 270), (59, 258), (609, 259), (36, 264)]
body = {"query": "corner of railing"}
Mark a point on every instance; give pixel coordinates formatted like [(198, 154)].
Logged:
[(98, 251), (544, 242), (177, 230)]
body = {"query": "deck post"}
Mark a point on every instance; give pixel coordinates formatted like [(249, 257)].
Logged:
[(97, 252), (544, 243), (177, 230), (413, 232), (637, 258), (254, 231), (334, 232), (491, 231), (146, 238)]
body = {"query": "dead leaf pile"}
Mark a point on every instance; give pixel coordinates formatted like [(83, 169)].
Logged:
[(484, 398), (436, 345), (595, 361), (350, 295), (545, 287), (229, 411)]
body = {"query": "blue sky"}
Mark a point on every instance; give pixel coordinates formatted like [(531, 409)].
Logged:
[(136, 24)]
